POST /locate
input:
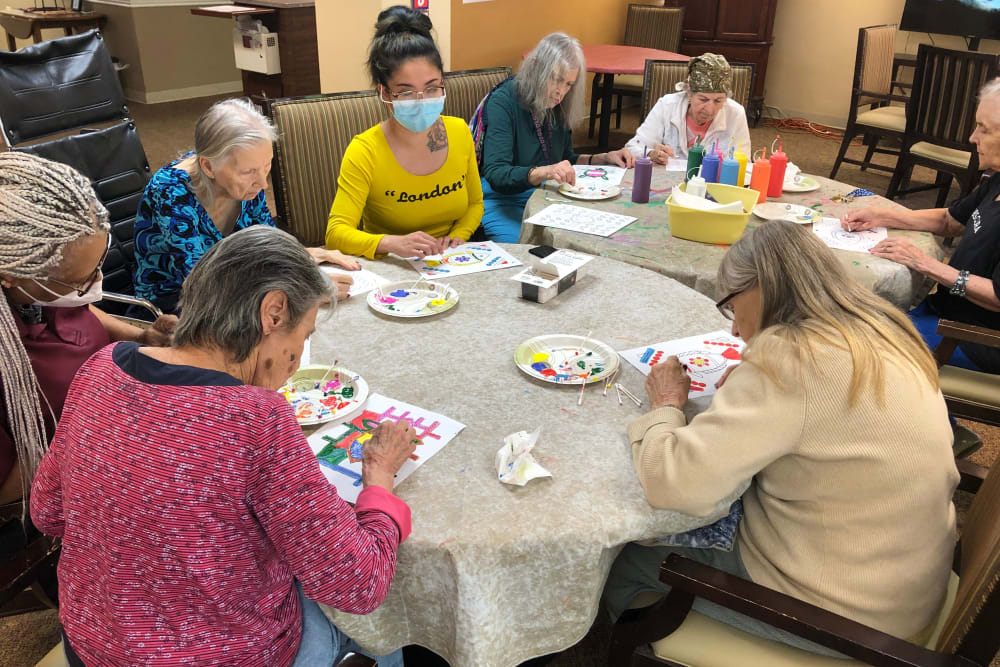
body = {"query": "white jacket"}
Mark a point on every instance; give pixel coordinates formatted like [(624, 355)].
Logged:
[(666, 124)]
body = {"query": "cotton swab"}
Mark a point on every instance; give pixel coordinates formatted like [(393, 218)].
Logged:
[(629, 394), (585, 339), (583, 385), (619, 390)]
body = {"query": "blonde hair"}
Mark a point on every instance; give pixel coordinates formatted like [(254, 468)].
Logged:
[(44, 207), (553, 57), (806, 294)]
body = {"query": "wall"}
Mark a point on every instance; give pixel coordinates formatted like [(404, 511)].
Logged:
[(489, 34), (345, 29), (811, 66)]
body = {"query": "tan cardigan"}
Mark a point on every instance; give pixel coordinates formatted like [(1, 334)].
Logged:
[(850, 508)]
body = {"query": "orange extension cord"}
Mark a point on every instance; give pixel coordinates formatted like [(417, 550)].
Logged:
[(803, 125)]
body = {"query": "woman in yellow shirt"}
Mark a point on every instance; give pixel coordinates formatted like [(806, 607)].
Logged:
[(410, 181)]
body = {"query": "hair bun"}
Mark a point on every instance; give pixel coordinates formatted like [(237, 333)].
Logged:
[(401, 20)]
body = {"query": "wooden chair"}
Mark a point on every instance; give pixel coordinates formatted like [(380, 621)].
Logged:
[(316, 130), (662, 77), (647, 26), (940, 118), (968, 394), (872, 88), (670, 634)]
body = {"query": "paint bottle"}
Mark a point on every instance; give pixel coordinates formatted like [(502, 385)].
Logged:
[(695, 155), (710, 168), (729, 173), (696, 186), (741, 157), (761, 176), (778, 163), (640, 180)]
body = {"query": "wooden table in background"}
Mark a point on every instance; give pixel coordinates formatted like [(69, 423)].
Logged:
[(607, 60), (22, 25)]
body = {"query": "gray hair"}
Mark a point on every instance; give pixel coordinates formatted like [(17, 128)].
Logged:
[(227, 126), (44, 207), (553, 57), (221, 297), (990, 89)]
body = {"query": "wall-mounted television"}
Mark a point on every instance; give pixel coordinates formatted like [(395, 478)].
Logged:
[(970, 18)]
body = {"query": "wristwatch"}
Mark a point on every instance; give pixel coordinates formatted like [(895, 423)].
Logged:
[(958, 289)]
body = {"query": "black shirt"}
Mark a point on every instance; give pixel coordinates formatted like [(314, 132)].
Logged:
[(978, 252)]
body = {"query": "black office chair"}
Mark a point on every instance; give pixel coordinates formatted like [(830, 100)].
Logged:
[(62, 89)]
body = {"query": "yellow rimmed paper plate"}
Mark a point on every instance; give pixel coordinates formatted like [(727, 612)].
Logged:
[(775, 210), (566, 359), (319, 394), (589, 192), (411, 299)]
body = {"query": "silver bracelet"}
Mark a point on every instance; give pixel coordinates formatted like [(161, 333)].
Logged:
[(958, 289)]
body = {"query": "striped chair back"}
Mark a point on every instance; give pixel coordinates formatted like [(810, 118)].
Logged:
[(314, 134), (662, 77), (873, 67), (465, 89), (654, 27)]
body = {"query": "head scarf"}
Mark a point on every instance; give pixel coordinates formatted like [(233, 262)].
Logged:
[(709, 73)]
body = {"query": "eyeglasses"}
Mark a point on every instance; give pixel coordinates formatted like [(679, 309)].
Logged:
[(407, 95), (726, 307), (91, 279)]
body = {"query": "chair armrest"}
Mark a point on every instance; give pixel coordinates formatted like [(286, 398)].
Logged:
[(884, 96), (972, 475), (134, 301), (968, 332), (800, 618)]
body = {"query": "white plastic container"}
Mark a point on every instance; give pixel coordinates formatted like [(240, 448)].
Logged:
[(255, 47)]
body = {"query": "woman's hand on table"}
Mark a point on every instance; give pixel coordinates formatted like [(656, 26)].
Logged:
[(861, 219), (385, 452), (343, 284), (668, 384), (902, 251), (321, 255), (660, 154), (560, 172), (620, 158), (417, 244), (446, 242), (160, 333)]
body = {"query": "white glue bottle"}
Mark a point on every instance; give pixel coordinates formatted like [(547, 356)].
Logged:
[(696, 186)]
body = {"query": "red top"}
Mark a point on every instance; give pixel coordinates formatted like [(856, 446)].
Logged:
[(620, 59), (188, 505), (57, 346)]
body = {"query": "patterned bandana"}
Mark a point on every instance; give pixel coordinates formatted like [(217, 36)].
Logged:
[(709, 73)]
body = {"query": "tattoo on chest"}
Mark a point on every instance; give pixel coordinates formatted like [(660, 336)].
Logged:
[(437, 138)]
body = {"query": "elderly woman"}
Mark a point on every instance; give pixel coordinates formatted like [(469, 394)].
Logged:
[(194, 519), (195, 201), (969, 284), (833, 414), (53, 240), (409, 185), (702, 107), (528, 133)]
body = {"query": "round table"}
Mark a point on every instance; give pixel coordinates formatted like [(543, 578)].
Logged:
[(607, 60), (492, 574), (648, 242)]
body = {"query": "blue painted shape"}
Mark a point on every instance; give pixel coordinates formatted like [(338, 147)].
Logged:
[(400, 293), (646, 355), (539, 365), (347, 472)]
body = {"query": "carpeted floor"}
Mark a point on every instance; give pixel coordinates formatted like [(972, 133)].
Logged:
[(167, 130)]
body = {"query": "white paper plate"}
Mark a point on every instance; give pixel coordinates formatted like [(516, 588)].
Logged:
[(566, 359), (413, 298), (801, 183), (343, 392), (589, 192), (774, 210)]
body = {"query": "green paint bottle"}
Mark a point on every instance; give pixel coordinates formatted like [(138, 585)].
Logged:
[(695, 156)]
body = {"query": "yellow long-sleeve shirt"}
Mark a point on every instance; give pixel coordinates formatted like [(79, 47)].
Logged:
[(376, 191)]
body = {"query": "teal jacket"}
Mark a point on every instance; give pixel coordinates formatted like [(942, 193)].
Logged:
[(511, 147)]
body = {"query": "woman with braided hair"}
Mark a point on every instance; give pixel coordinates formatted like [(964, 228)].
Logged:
[(53, 240)]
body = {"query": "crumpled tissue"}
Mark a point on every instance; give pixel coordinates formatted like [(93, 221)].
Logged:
[(514, 462)]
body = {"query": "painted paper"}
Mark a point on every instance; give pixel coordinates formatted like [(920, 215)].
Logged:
[(600, 177), (580, 219), (706, 356), (364, 280), (832, 233), (464, 259), (338, 447)]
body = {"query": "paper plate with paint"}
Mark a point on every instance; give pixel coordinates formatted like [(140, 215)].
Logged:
[(590, 192), (800, 183), (774, 210), (412, 299), (566, 359), (320, 394)]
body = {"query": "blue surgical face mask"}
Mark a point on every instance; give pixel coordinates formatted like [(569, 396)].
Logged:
[(417, 115)]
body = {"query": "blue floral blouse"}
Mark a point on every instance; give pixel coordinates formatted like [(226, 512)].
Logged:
[(173, 231)]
